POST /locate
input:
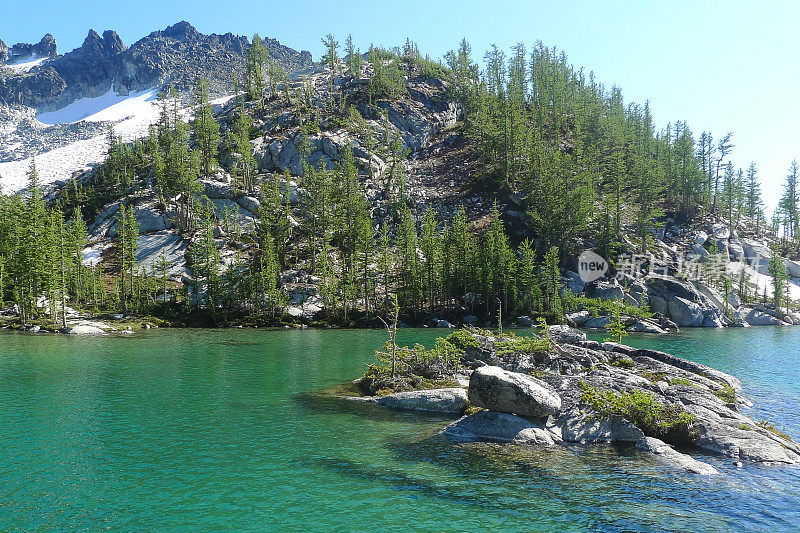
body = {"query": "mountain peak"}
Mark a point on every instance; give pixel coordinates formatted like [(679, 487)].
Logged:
[(91, 37), (182, 30), (112, 42), (44, 48)]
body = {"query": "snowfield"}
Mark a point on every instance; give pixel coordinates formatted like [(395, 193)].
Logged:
[(132, 116), (109, 106), (25, 64)]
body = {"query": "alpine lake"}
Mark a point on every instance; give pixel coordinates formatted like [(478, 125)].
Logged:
[(186, 430)]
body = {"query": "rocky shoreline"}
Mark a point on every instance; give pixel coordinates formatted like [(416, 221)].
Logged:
[(586, 392)]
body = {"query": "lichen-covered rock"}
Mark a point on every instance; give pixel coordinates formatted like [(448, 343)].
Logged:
[(597, 322), (573, 282), (85, 329), (451, 400), (792, 268), (645, 326), (579, 318), (565, 334), (496, 389), (151, 247), (757, 255), (743, 439)]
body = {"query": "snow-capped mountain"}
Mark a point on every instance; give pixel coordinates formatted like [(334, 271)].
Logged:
[(58, 108)]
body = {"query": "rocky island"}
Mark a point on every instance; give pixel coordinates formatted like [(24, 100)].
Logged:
[(558, 387)]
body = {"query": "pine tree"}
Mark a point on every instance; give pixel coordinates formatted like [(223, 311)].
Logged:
[(528, 279), (790, 202), (128, 230), (616, 329), (245, 166), (551, 280), (205, 260), (731, 187), (30, 248), (331, 57), (365, 247), (254, 70), (753, 202), (724, 147), (77, 242), (385, 263), (464, 253), (273, 217), (205, 130), (498, 264), (429, 246), (62, 264), (353, 58), (409, 267), (777, 270), (648, 190)]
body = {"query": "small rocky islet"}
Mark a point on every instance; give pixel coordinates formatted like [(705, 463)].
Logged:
[(558, 388)]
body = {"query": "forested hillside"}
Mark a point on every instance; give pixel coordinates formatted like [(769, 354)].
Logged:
[(461, 190)]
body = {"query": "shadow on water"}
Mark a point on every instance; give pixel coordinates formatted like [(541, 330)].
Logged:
[(401, 481), (581, 487)]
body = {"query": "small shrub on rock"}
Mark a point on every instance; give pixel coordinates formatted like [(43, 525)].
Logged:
[(654, 377), (772, 429), (414, 368), (463, 339), (670, 423), (623, 362), (726, 394)]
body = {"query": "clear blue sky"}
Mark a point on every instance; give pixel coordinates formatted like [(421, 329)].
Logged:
[(720, 65)]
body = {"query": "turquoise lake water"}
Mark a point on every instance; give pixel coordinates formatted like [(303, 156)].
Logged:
[(187, 430)]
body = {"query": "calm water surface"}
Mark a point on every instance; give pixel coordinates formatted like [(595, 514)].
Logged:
[(222, 430)]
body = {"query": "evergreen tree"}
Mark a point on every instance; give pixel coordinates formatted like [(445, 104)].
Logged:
[(254, 70), (724, 147), (790, 202), (409, 265), (205, 260), (777, 270), (353, 58), (429, 246), (753, 202), (385, 263), (205, 130), (331, 57), (245, 166), (648, 190)]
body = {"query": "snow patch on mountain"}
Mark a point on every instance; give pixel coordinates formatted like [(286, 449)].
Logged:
[(137, 112), (107, 107), (25, 64)]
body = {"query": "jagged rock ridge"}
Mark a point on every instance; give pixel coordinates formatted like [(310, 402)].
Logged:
[(44, 48), (176, 56)]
